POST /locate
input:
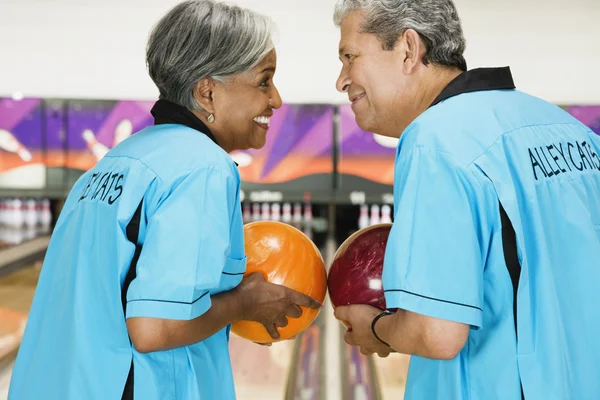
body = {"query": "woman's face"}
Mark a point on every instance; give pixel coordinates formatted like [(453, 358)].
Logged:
[(243, 105)]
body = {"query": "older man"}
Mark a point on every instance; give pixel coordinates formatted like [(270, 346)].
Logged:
[(492, 264)]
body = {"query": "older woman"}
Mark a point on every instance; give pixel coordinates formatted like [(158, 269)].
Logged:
[(491, 269), (143, 275)]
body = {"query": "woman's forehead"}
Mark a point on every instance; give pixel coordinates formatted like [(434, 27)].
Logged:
[(270, 60)]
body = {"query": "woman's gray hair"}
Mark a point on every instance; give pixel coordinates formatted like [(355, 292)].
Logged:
[(436, 22), (204, 38)]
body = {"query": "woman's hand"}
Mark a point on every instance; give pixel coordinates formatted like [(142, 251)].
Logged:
[(271, 304)]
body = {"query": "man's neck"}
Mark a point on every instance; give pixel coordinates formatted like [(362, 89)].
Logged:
[(434, 82)]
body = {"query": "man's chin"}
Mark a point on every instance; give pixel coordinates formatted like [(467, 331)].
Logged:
[(365, 123)]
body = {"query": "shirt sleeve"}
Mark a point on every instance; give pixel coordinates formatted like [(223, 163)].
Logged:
[(185, 248), (436, 250)]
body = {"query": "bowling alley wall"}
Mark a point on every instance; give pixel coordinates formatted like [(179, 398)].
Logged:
[(315, 156)]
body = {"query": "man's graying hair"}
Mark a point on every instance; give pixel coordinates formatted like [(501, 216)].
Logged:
[(204, 38), (436, 22)]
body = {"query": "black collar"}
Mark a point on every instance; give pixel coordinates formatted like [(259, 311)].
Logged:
[(477, 80), (165, 112)]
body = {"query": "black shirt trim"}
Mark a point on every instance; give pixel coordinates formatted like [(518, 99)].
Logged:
[(172, 301), (133, 232), (233, 273), (433, 298), (165, 112), (476, 80)]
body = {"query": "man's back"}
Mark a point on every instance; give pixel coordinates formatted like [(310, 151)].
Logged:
[(542, 167), (549, 184)]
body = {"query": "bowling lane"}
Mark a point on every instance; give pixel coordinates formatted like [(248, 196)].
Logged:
[(260, 372), (391, 373), (16, 295)]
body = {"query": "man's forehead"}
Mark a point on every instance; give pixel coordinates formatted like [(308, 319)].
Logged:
[(352, 22), (350, 29), (350, 42)]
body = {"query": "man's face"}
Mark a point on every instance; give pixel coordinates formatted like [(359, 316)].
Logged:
[(372, 77)]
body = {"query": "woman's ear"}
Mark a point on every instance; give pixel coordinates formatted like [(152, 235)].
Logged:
[(203, 94)]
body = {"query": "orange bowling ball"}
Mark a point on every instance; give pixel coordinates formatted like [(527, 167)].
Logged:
[(285, 256)]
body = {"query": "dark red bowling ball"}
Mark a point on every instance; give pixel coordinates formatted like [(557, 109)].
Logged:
[(355, 274)]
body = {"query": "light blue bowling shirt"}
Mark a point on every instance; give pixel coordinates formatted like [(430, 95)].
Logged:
[(172, 191), (481, 146)]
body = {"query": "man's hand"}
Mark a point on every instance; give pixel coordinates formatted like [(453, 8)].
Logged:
[(359, 319)]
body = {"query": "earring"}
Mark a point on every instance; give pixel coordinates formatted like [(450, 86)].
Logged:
[(211, 118)]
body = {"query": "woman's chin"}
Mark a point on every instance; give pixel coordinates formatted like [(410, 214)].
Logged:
[(258, 141)]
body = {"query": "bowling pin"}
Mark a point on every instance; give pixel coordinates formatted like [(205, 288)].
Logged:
[(18, 213), (297, 218), (308, 217), (94, 145), (2, 211), (287, 213), (123, 130), (255, 212), (386, 214), (46, 214), (9, 213), (246, 215), (265, 212), (276, 212), (30, 213), (38, 210), (5, 214), (9, 143), (375, 218), (363, 219)]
